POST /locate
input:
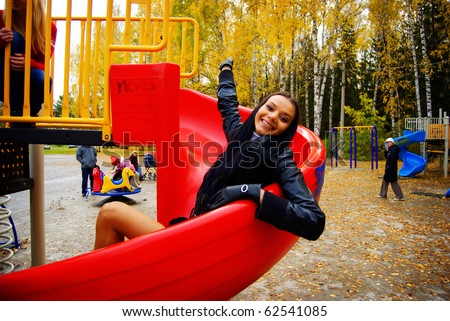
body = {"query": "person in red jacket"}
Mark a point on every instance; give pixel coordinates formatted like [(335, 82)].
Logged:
[(16, 37)]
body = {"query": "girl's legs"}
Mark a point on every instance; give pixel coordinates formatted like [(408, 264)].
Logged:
[(117, 220), (17, 82), (16, 78), (36, 90)]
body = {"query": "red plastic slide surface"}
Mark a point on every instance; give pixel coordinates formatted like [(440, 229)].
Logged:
[(211, 257)]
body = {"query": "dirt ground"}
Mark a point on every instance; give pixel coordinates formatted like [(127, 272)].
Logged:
[(372, 249)]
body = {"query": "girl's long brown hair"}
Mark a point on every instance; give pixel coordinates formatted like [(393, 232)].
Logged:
[(37, 28)]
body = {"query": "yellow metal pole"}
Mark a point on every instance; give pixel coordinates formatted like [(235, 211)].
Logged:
[(106, 131), (96, 67), (81, 108), (142, 38), (165, 36), (48, 96), (183, 47), (195, 48), (65, 106), (148, 22), (155, 36), (169, 44), (127, 31), (87, 65), (26, 87), (6, 86), (148, 25)]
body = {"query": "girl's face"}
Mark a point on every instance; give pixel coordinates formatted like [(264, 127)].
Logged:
[(275, 116)]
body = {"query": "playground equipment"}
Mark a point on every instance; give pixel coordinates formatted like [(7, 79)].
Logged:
[(334, 143), (124, 183), (412, 164), (211, 257), (116, 189), (89, 121), (436, 133)]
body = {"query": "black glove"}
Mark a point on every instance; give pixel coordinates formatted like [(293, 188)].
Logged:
[(228, 62), (237, 192)]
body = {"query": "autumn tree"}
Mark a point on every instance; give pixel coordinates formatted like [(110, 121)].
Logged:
[(395, 53)]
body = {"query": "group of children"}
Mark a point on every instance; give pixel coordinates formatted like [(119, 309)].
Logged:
[(125, 175)]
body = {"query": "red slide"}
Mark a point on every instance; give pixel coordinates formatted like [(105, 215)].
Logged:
[(211, 257)]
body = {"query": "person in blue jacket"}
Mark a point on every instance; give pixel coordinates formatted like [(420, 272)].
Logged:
[(87, 156), (257, 155)]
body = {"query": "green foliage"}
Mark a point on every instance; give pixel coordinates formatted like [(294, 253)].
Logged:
[(294, 46), (57, 107), (366, 116)]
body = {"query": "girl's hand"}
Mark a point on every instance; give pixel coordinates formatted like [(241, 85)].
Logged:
[(6, 34), (17, 62), (237, 192), (227, 64)]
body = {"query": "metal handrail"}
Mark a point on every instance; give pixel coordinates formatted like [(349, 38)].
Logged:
[(433, 126)]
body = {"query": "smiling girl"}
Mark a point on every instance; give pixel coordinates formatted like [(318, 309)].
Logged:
[(256, 156)]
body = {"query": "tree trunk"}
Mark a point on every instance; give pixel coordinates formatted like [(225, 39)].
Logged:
[(330, 121), (413, 47), (306, 96), (317, 107), (375, 90), (426, 62), (324, 82), (254, 82)]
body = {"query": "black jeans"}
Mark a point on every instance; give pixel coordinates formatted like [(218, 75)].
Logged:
[(85, 174)]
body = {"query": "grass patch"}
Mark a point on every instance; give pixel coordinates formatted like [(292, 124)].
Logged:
[(60, 150), (66, 150)]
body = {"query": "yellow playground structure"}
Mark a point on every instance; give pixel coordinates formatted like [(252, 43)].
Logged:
[(91, 43), (91, 37)]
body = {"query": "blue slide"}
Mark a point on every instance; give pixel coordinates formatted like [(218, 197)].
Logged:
[(412, 164)]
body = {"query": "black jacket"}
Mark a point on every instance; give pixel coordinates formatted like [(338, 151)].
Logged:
[(391, 155), (298, 212)]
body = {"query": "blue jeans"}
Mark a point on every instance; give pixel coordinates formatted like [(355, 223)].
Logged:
[(85, 174), (17, 80)]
